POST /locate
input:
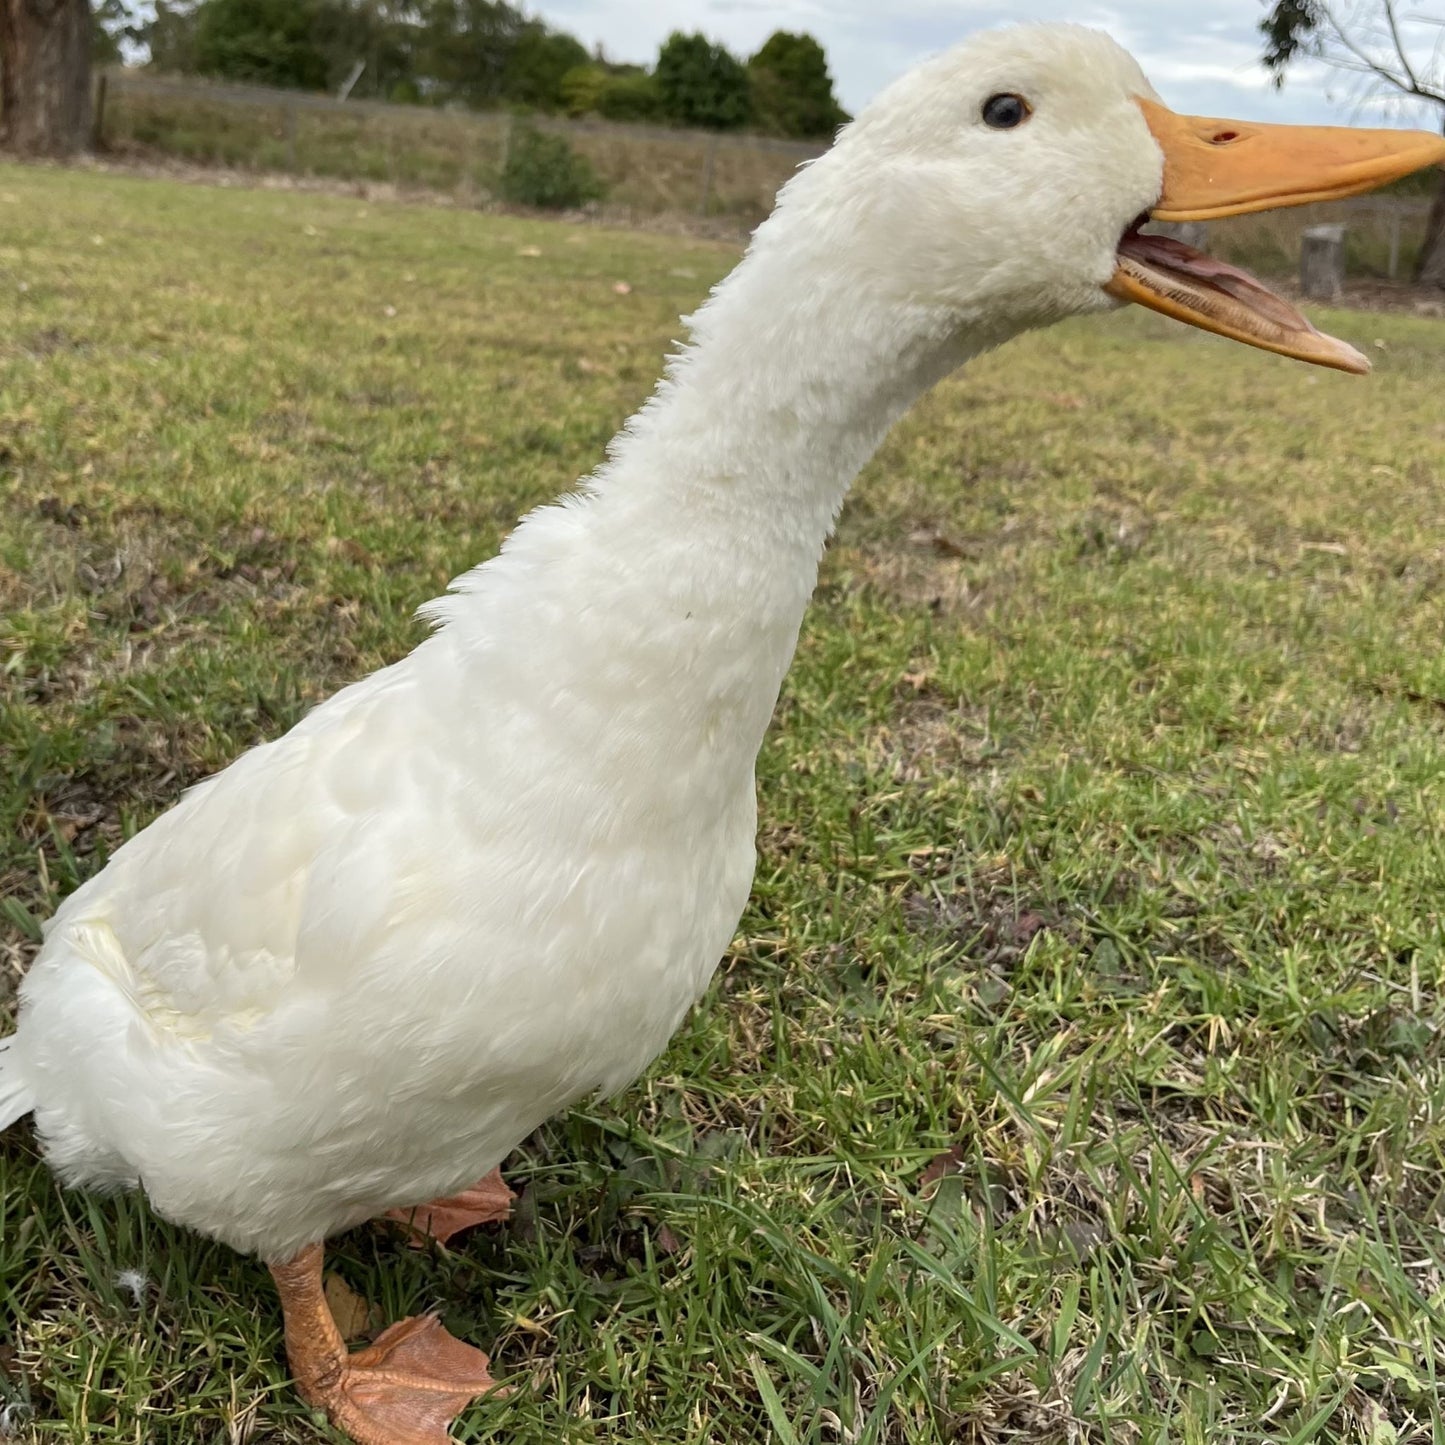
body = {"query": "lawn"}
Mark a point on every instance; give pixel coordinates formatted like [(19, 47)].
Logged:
[(1076, 1072)]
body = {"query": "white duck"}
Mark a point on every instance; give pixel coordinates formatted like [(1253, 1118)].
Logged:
[(352, 971)]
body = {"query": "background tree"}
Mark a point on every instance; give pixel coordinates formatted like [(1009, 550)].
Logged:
[(45, 76), (465, 46), (267, 42), (169, 36), (1372, 40), (538, 60), (615, 92), (792, 92), (701, 84)]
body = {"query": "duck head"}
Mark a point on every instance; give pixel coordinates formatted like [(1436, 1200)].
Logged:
[(1006, 182)]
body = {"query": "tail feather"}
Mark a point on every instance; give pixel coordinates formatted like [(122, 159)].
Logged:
[(16, 1100)]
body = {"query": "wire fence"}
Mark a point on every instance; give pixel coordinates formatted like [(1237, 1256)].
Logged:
[(648, 170)]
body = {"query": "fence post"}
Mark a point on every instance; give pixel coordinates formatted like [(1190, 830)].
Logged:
[(1322, 262), (466, 188), (709, 164), (290, 137), (97, 128), (508, 120), (1394, 241)]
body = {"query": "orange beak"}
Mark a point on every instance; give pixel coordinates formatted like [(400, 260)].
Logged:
[(1216, 168)]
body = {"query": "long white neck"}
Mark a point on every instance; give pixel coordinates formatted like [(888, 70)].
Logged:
[(674, 585)]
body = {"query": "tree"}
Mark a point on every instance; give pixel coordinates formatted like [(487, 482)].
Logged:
[(169, 37), (615, 92), (792, 92), (267, 42), (45, 76), (466, 45), (701, 84), (1372, 40), (538, 61)]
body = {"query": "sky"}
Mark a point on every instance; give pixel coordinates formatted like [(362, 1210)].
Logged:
[(1202, 57)]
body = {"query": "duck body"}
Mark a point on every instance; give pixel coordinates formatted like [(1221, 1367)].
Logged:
[(353, 970)]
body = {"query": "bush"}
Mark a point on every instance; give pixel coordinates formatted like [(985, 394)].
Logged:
[(629, 97), (543, 170), (580, 87)]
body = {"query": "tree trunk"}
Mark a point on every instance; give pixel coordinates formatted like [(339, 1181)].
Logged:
[(45, 76), (1430, 269)]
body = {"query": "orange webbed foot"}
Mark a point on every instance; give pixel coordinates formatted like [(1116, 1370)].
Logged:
[(407, 1387), (403, 1389), (488, 1201)]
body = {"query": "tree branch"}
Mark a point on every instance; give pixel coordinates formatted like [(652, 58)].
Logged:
[(1367, 62), (1400, 45)]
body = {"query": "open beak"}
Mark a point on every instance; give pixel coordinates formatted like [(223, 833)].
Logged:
[(1215, 168)]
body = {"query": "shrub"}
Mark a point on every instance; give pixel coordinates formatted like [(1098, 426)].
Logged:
[(543, 170), (629, 97)]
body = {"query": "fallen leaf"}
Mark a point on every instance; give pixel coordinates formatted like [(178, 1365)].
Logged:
[(388, 310), (667, 1242), (350, 1311), (71, 825), (1028, 924), (622, 288), (530, 251), (941, 1165)]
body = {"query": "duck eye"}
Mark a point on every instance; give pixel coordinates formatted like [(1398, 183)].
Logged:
[(1004, 112)]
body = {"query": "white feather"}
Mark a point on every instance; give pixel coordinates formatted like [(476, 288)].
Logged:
[(358, 966)]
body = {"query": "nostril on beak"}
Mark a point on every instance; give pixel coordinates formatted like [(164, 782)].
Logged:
[(1223, 137)]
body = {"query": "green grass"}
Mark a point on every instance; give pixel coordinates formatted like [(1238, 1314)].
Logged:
[(645, 170), (1101, 851)]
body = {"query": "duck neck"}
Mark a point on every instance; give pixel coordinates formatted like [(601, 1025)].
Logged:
[(676, 583), (749, 445)]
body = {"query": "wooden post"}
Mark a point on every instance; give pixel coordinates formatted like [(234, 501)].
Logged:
[(290, 137), (466, 188), (1322, 262), (506, 155), (97, 119), (1394, 242), (709, 165)]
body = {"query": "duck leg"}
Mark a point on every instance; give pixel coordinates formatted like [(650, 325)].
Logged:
[(404, 1389), (488, 1201)]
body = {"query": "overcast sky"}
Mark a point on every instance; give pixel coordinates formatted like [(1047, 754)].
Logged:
[(1202, 57)]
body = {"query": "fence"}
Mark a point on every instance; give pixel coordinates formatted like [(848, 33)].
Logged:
[(648, 170)]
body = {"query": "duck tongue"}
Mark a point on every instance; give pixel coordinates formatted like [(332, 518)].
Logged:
[(1164, 253), (1180, 281)]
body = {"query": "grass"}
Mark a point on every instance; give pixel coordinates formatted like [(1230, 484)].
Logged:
[(1076, 1072), (647, 170)]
